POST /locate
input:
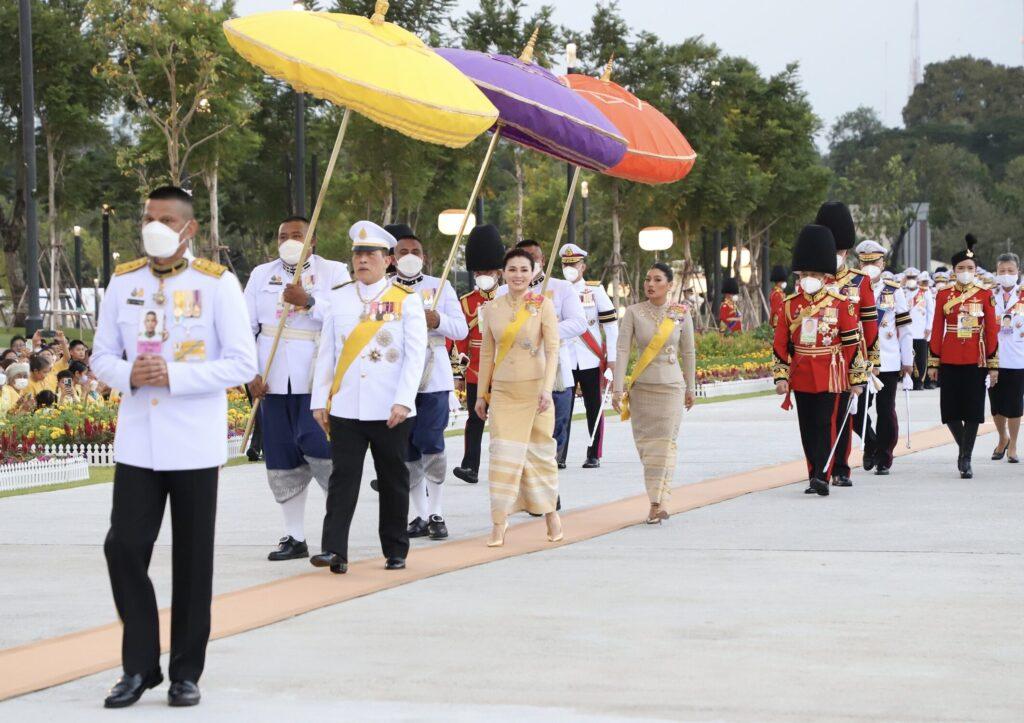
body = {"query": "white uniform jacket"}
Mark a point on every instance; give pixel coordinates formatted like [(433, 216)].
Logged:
[(1010, 314), (453, 326), (895, 338), (601, 319), (922, 311)]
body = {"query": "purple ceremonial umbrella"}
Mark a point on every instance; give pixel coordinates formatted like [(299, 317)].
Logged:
[(537, 111)]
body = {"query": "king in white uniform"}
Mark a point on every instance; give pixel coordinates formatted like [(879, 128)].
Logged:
[(171, 436), (368, 370), (294, 445), (592, 354), (426, 459)]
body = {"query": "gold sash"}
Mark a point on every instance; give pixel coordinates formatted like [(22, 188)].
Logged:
[(508, 336), (654, 348), (360, 337)]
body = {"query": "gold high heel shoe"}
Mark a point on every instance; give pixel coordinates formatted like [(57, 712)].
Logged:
[(500, 541), (656, 515), (560, 535)]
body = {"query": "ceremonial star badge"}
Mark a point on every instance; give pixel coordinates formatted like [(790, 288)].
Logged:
[(375, 355)]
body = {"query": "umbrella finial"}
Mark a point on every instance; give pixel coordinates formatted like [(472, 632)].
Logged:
[(379, 11), (607, 74), (527, 54)]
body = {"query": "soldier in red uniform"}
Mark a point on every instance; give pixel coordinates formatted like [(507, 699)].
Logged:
[(963, 348), (729, 319), (485, 255), (778, 293), (816, 352), (856, 286)]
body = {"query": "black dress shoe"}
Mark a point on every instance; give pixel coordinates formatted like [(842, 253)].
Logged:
[(967, 472), (394, 563), (418, 528), (561, 465), (331, 560), (253, 455), (592, 463), (820, 487), (842, 480), (288, 548), (466, 475), (810, 491), (869, 461), (436, 527), (130, 688), (997, 455), (182, 694), (882, 471)]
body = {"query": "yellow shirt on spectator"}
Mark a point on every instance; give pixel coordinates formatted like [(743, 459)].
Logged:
[(9, 396), (49, 382)]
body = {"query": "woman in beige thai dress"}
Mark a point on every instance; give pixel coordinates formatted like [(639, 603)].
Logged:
[(661, 384), (518, 361)]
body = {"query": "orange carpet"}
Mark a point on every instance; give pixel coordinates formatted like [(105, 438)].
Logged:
[(53, 661)]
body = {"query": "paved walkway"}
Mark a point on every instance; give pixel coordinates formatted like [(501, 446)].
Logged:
[(897, 599)]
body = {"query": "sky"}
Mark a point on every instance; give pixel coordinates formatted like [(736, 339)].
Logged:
[(851, 52)]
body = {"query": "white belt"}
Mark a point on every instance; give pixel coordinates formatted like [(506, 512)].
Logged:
[(291, 334)]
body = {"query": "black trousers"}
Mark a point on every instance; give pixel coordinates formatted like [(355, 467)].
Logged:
[(921, 364), (139, 499), (589, 381), (474, 432), (815, 412), (881, 441), (349, 440)]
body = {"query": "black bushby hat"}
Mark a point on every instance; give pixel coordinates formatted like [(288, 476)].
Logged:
[(484, 249), (730, 286), (815, 250), (401, 231), (835, 216), (941, 270), (966, 254), (779, 273)]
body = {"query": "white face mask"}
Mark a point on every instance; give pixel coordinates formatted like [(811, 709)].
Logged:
[(485, 283), (911, 283), (965, 277), (290, 252), (3, 379), (409, 265), (537, 270), (20, 383), (784, 285), (840, 260), (159, 240), (93, 385), (810, 284), (1007, 280), (570, 274), (872, 271)]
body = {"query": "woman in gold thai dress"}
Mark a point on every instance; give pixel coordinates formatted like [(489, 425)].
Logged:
[(518, 361), (661, 384)]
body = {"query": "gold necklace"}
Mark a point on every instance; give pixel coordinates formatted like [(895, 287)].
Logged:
[(374, 298), (656, 313)]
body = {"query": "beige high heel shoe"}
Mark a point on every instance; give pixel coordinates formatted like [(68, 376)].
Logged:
[(554, 537), (498, 542), (656, 515)]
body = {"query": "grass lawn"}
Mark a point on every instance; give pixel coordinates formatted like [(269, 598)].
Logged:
[(6, 332)]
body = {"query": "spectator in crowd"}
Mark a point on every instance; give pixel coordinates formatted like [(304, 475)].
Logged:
[(19, 347), (78, 351), (14, 396), (41, 375), (9, 355), (45, 398), (67, 393)]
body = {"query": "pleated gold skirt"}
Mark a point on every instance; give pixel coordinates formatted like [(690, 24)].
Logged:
[(523, 471), (656, 412)]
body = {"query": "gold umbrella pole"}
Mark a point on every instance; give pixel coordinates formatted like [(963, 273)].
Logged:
[(465, 216), (297, 278), (561, 229)]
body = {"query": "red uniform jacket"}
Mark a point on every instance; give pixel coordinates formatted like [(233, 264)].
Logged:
[(857, 287), (470, 346), (775, 300), (817, 343), (965, 329), (729, 320)]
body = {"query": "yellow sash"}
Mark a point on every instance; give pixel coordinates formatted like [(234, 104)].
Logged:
[(360, 337), (508, 336), (653, 349)]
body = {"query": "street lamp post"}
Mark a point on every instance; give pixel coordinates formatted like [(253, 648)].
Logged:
[(585, 194), (105, 248), (570, 228), (78, 275), (34, 319)]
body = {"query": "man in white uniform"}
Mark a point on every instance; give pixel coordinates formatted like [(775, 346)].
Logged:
[(426, 459), (922, 310), (571, 323), (171, 436), (896, 359), (1006, 399), (591, 353), (368, 369), (294, 445)]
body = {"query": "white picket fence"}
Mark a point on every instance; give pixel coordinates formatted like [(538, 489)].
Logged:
[(102, 455), (709, 390), (37, 473)]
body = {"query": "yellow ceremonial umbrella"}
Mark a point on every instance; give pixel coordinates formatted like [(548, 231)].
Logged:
[(367, 65)]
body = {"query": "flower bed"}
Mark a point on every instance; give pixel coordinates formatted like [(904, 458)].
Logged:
[(723, 358)]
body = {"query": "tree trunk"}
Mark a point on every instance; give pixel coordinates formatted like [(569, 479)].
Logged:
[(517, 160), (212, 187), (12, 232), (51, 220), (616, 247)]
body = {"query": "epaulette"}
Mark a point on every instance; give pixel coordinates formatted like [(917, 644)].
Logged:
[(890, 282), (467, 295), (857, 271), (404, 288), (793, 295), (128, 266), (836, 295), (210, 268), (341, 285), (593, 283)]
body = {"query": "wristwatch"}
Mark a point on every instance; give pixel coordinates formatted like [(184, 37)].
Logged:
[(310, 301)]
